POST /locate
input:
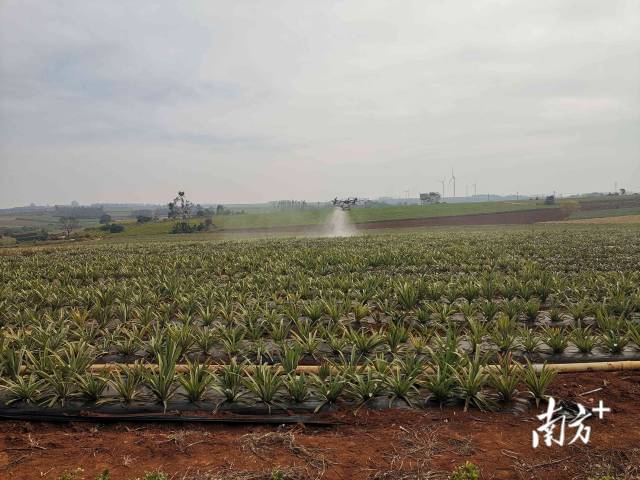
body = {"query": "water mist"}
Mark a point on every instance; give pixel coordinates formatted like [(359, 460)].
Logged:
[(339, 224)]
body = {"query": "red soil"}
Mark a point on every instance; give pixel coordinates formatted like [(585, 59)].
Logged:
[(371, 444)]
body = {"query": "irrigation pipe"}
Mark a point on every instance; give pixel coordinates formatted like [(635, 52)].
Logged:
[(40, 416), (314, 369)]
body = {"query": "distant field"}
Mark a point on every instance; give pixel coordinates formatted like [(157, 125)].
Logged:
[(38, 220), (320, 216), (609, 202), (609, 220), (248, 220), (405, 212), (611, 212)]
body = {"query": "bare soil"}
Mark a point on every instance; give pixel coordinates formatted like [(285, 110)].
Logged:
[(393, 444)]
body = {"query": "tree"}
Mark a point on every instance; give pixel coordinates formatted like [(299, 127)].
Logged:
[(180, 210), (180, 207), (68, 224), (105, 218)]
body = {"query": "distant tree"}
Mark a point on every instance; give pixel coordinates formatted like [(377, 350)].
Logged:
[(105, 218), (180, 207), (180, 210), (116, 228), (623, 191), (220, 210), (68, 224), (144, 219)]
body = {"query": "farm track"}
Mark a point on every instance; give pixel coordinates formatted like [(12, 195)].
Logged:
[(371, 444), (522, 217)]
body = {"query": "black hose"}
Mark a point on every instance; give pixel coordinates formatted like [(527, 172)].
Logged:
[(39, 416)]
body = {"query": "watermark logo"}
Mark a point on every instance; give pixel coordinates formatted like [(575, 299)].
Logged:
[(556, 421)]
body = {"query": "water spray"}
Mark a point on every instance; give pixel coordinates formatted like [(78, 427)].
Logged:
[(339, 224)]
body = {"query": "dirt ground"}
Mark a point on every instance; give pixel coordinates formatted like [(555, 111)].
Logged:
[(389, 444)]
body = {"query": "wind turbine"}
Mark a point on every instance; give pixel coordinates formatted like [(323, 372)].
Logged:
[(453, 179)]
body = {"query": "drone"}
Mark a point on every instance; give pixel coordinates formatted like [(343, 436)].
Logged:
[(344, 203)]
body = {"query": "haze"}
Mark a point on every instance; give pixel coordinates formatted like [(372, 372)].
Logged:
[(252, 101)]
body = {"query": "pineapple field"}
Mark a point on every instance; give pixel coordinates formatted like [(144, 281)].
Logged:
[(313, 331)]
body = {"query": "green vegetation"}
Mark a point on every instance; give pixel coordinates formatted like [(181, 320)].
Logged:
[(403, 212), (468, 471), (612, 212), (105, 475), (399, 318), (248, 220), (39, 220)]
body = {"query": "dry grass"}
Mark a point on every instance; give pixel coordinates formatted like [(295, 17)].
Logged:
[(261, 445), (234, 474), (179, 438), (618, 464), (410, 458), (590, 463), (395, 475)]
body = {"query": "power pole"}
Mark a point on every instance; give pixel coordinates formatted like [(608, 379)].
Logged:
[(474, 189), (442, 182)]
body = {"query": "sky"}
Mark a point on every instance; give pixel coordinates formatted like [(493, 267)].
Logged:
[(251, 101)]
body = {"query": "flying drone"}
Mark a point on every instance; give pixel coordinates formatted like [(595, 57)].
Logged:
[(344, 203)]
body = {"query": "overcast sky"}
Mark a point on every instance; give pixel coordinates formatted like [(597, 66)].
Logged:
[(242, 101)]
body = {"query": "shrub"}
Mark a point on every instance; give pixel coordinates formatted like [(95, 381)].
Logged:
[(468, 471)]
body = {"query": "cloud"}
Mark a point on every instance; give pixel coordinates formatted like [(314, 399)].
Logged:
[(251, 101)]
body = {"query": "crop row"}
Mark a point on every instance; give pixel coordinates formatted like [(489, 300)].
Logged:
[(449, 376), (481, 297)]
